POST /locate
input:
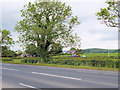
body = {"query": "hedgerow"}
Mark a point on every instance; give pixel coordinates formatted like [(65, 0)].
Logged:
[(108, 62)]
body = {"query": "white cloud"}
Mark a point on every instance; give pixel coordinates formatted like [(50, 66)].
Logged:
[(104, 44), (16, 1), (92, 33), (83, 1)]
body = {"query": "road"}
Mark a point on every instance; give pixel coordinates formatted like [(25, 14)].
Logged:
[(30, 76)]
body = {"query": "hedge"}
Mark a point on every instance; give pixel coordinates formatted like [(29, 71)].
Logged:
[(7, 59), (92, 62), (75, 61)]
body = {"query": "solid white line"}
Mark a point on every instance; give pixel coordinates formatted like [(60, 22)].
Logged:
[(10, 69), (57, 76), (26, 85)]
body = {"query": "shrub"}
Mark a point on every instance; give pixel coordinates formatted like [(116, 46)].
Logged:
[(7, 59), (109, 62)]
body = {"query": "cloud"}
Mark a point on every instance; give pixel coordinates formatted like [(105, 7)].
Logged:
[(104, 44), (92, 32), (96, 35)]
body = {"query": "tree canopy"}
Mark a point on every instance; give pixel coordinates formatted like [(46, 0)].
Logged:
[(56, 48), (72, 48), (111, 14), (6, 42), (46, 24), (31, 49), (6, 38), (6, 52)]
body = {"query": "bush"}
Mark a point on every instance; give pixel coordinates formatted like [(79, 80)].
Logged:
[(108, 62), (7, 59)]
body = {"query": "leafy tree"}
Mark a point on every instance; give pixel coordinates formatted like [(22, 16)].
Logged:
[(73, 48), (19, 52), (78, 51), (6, 42), (6, 52), (111, 14), (6, 38), (47, 23), (56, 48), (31, 49)]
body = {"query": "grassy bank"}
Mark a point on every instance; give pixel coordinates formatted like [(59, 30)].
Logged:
[(92, 55), (65, 66), (92, 61)]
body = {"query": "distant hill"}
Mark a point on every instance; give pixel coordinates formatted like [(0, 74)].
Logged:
[(98, 50)]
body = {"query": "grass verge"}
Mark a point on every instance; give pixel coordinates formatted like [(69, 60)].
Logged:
[(65, 66)]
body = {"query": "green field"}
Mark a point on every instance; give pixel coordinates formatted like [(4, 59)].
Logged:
[(91, 61), (92, 55)]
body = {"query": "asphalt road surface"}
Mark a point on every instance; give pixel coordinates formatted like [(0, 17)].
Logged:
[(28, 76)]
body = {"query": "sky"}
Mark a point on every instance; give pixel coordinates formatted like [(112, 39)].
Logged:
[(92, 32)]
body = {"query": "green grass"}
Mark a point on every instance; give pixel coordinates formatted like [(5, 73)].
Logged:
[(91, 55), (101, 54), (65, 66)]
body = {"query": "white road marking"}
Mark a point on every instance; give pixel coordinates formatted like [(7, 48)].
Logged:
[(26, 85), (9, 69), (6, 64), (57, 76), (90, 81)]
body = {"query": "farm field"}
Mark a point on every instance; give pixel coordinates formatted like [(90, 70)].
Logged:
[(91, 61), (92, 55)]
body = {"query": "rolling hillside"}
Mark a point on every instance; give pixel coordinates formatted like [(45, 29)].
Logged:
[(98, 50)]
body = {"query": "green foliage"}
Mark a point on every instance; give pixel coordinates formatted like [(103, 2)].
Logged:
[(31, 49), (6, 52), (46, 24), (56, 48), (73, 48), (6, 38), (110, 15), (6, 42), (34, 60), (78, 51), (98, 61), (19, 52), (92, 62), (92, 55), (7, 59)]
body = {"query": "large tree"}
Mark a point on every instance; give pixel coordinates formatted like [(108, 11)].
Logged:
[(47, 23), (111, 14)]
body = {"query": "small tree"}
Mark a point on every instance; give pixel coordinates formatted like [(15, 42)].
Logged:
[(6, 42), (6, 52), (6, 38)]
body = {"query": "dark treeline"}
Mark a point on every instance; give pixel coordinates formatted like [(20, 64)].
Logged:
[(97, 50)]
